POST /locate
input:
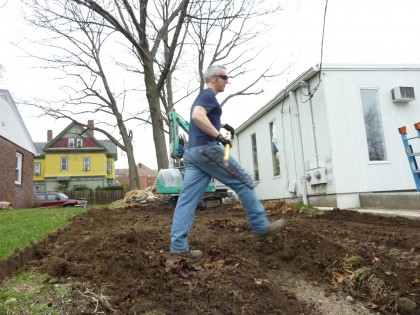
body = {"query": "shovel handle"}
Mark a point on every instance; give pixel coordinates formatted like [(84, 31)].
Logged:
[(227, 149)]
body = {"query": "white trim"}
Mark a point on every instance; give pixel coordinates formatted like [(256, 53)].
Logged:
[(18, 168)]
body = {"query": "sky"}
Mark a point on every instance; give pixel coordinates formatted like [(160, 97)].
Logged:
[(356, 32)]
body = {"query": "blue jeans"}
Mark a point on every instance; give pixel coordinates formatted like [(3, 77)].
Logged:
[(199, 169)]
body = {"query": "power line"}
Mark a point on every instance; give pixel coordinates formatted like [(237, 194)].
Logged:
[(312, 91)]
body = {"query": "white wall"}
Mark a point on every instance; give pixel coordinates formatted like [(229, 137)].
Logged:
[(269, 186), (353, 172), (333, 136), (12, 126)]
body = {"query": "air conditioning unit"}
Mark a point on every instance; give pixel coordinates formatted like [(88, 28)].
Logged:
[(403, 94)]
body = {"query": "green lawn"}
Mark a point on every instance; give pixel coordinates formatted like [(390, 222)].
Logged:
[(20, 228)]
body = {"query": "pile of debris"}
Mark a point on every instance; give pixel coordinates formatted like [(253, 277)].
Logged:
[(137, 196), (5, 205)]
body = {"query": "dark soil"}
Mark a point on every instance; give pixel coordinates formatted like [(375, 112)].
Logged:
[(121, 258)]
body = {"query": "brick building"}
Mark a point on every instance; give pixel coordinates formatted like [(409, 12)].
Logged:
[(147, 176), (16, 155)]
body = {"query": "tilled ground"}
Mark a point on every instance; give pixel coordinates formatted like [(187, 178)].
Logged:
[(333, 262)]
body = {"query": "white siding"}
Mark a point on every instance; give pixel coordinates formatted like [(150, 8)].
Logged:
[(354, 172), (327, 134), (269, 186), (12, 126)]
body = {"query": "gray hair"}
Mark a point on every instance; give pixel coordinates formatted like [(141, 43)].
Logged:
[(212, 70)]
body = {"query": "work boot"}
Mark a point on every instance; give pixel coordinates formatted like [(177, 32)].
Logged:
[(194, 255), (272, 229)]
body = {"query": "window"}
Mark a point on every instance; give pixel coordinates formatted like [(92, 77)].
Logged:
[(37, 168), (79, 142), (52, 197), (109, 167), (274, 148), (86, 163), (18, 169), (37, 188), (255, 157), (64, 164), (41, 197), (70, 142), (373, 125)]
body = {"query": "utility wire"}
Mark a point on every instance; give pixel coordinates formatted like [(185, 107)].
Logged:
[(312, 91)]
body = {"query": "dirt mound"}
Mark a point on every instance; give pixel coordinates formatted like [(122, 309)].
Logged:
[(321, 263)]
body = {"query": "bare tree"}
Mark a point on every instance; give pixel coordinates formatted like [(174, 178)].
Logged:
[(219, 32), (133, 20), (159, 35), (79, 39), (223, 33)]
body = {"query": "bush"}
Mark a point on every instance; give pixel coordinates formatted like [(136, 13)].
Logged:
[(81, 188), (61, 188), (115, 187)]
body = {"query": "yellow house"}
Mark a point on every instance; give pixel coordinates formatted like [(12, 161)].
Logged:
[(74, 158)]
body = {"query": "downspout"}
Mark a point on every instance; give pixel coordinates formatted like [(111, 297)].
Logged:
[(312, 122), (238, 147), (295, 113)]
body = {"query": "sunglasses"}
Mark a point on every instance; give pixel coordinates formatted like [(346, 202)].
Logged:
[(223, 76)]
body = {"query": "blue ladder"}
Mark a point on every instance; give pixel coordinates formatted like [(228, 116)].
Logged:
[(410, 154)]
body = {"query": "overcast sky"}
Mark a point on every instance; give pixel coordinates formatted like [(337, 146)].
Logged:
[(356, 31)]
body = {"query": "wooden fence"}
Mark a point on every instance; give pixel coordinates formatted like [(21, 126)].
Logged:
[(97, 197)]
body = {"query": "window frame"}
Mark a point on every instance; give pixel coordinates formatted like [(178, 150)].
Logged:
[(379, 127), (86, 163), (18, 168), (79, 142), (254, 152), (66, 164), (275, 159), (37, 168)]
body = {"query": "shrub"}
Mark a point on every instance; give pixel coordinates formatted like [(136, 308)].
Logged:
[(81, 188), (115, 187)]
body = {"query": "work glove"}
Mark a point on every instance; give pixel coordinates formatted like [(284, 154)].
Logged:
[(230, 128), (224, 140)]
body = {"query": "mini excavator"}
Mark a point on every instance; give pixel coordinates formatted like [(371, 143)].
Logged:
[(169, 181)]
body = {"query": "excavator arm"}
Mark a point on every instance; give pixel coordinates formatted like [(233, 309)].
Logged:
[(177, 142)]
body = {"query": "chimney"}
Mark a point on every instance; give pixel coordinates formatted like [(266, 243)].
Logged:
[(90, 126), (49, 135)]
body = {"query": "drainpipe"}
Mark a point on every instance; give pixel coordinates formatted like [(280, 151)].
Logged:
[(305, 83), (295, 113)]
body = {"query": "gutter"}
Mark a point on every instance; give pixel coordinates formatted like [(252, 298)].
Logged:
[(279, 97)]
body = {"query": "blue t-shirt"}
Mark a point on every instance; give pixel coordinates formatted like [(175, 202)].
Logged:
[(206, 99)]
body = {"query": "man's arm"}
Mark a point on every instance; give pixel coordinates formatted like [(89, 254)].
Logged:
[(199, 116)]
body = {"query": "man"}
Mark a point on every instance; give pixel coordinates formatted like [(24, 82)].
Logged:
[(203, 159)]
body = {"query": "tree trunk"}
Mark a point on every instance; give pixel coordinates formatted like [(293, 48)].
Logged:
[(133, 175), (152, 95)]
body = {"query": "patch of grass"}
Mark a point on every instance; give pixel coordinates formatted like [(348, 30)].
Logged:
[(377, 287), (301, 208), (28, 292), (36, 294), (352, 262), (20, 228)]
